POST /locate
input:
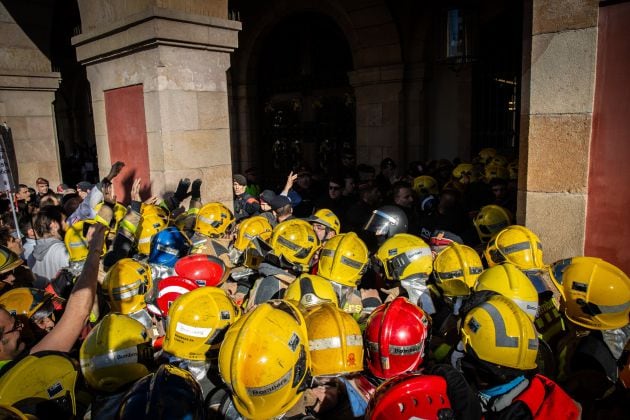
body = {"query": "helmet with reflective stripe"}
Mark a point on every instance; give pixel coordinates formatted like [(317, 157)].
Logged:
[(490, 220), (168, 246), (456, 269), (327, 218), (214, 220), (150, 224), (509, 281), (334, 340), (486, 155), (250, 228), (169, 289), (425, 185), (497, 331), (116, 352), (404, 256), (517, 245), (126, 284), (344, 259), (311, 290), (294, 241), (596, 293), (197, 322), (42, 382), (410, 396), (396, 338), (266, 368), (76, 243)]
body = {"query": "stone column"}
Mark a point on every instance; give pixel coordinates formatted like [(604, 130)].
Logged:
[(180, 59), (557, 104), (27, 91), (378, 105)]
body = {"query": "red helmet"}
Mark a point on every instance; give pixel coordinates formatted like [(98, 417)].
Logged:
[(170, 289), (396, 335), (205, 270), (412, 395)]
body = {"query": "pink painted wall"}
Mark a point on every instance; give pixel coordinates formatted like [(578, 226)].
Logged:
[(127, 137), (608, 207)]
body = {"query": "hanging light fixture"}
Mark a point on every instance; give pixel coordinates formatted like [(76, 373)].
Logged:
[(460, 38)]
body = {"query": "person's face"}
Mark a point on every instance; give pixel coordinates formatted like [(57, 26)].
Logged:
[(10, 344), (320, 231), (24, 194), (304, 181), (264, 206), (15, 245), (46, 323), (404, 198), (82, 194), (348, 161), (42, 188), (349, 185), (334, 190), (238, 188), (374, 197), (499, 191)]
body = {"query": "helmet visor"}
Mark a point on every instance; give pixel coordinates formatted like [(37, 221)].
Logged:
[(380, 223)]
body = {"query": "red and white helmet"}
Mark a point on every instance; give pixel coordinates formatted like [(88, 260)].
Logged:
[(396, 335), (205, 270), (170, 289), (410, 396)]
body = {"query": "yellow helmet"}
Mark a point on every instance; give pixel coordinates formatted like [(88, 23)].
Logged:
[(327, 218), (7, 412), (214, 220), (463, 169), (154, 210), (334, 340), (76, 242), (149, 225), (405, 255), (493, 171), (596, 293), (498, 332), (42, 377), (499, 160), (8, 259), (490, 220), (250, 228), (344, 259), (266, 368), (116, 352), (25, 300), (425, 185), (486, 155), (119, 213), (509, 281), (311, 290), (126, 284), (197, 321), (456, 269), (517, 245), (294, 241)]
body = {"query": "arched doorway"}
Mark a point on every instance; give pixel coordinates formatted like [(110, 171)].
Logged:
[(305, 107)]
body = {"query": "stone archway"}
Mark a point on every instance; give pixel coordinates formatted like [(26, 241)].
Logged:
[(376, 79)]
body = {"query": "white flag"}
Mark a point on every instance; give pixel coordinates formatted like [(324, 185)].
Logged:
[(6, 179)]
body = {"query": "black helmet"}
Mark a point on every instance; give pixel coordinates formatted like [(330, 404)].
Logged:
[(387, 221), (169, 393)]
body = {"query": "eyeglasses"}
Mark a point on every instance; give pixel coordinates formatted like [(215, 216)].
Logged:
[(17, 326)]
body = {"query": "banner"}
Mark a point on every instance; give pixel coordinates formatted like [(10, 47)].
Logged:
[(6, 178)]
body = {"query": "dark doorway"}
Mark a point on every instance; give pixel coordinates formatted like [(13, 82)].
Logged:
[(306, 102)]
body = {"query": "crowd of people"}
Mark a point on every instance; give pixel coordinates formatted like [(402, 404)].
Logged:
[(389, 295)]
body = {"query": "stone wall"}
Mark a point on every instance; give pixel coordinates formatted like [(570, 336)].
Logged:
[(556, 113), (27, 90), (181, 61)]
